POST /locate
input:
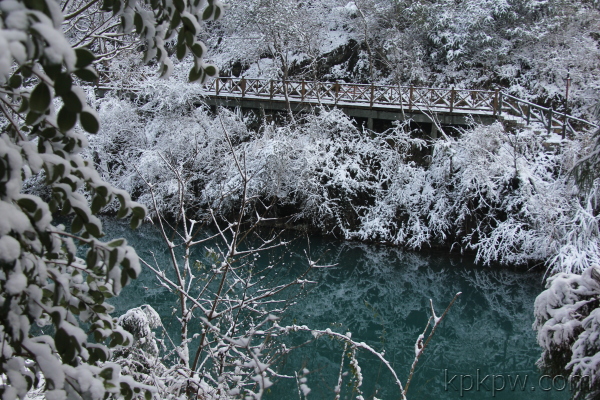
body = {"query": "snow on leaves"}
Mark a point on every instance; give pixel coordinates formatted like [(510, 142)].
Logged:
[(567, 321), (43, 280)]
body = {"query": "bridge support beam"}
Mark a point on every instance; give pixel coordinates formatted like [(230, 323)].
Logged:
[(370, 114)]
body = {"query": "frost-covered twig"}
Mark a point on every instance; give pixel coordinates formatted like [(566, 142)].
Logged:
[(421, 344)]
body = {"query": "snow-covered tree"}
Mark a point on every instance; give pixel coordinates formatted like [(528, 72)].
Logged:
[(43, 280), (567, 318)]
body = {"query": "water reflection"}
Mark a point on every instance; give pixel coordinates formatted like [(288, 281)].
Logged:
[(381, 295)]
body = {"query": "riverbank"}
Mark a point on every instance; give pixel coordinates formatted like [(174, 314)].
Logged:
[(503, 196)]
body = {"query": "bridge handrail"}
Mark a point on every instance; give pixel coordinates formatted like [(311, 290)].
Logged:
[(434, 99), (551, 119), (421, 98)]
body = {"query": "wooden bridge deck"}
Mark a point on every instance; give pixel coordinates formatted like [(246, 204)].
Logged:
[(421, 99), (451, 106)]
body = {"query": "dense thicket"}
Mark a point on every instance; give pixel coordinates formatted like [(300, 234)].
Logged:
[(504, 195)]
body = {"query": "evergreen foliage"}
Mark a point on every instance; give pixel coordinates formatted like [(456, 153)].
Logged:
[(43, 279)]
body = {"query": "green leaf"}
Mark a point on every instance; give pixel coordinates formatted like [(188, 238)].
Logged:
[(210, 70), (93, 230), (116, 243), (15, 81), (99, 308), (117, 339), (48, 133), (181, 51), (112, 258), (131, 273), (107, 373), (97, 354), (27, 204), (84, 57), (122, 213), (124, 280), (126, 392), (35, 4), (89, 122), (179, 5), (26, 71), (208, 12), (59, 171), (61, 339), (37, 217), (32, 118), (66, 119), (86, 74), (24, 105), (102, 191), (63, 83), (139, 212), (40, 98), (107, 5), (217, 13), (97, 204), (72, 102), (194, 74), (138, 21), (190, 38), (51, 69), (97, 296), (135, 222), (197, 50), (175, 20), (189, 24), (165, 71), (91, 258), (148, 395)]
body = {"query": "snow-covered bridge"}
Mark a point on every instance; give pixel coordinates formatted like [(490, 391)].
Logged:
[(422, 104), (387, 102)]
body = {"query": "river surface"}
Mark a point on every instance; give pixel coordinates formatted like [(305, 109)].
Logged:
[(484, 348)]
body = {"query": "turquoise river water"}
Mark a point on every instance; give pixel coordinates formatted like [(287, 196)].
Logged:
[(484, 348)]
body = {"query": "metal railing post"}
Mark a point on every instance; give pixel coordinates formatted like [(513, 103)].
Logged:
[(372, 95), (243, 86), (271, 89), (303, 90), (528, 115), (495, 105), (410, 98), (550, 121), (500, 101), (452, 94)]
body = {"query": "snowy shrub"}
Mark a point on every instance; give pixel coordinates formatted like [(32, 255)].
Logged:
[(566, 318), (43, 279), (503, 195)]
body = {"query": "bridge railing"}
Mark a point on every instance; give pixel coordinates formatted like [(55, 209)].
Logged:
[(410, 97), (551, 120)]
